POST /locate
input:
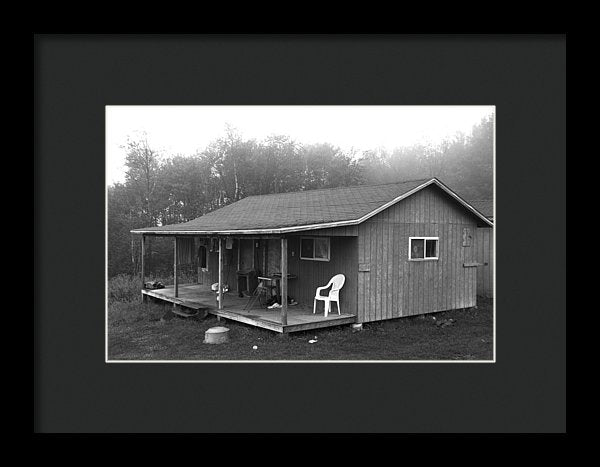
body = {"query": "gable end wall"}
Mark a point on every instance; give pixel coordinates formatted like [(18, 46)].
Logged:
[(391, 286)]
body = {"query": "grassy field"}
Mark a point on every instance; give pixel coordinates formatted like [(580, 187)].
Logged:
[(137, 332)]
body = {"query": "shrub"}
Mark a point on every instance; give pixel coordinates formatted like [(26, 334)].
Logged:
[(124, 288), (127, 287), (132, 312)]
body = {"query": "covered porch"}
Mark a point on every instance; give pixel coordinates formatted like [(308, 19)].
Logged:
[(246, 310), (228, 301)]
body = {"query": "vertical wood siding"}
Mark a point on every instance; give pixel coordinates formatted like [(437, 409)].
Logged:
[(211, 275), (246, 254), (485, 255), (310, 274), (390, 286), (313, 274), (229, 266), (274, 256)]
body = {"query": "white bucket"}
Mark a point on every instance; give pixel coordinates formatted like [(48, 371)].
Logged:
[(216, 335)]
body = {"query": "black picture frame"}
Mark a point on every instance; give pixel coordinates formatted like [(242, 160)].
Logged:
[(76, 76)]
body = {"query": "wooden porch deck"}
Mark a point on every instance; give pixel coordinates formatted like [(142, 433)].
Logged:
[(299, 317)]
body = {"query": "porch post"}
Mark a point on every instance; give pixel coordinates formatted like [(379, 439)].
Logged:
[(198, 259), (143, 269), (143, 272), (175, 281), (265, 244), (284, 280), (220, 273), (239, 249)]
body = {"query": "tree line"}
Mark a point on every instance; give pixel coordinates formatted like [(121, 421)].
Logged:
[(162, 190)]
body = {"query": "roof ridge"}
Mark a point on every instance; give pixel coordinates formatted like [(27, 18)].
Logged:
[(341, 187), (316, 210)]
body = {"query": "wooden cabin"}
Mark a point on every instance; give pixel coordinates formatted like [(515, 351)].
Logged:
[(485, 249), (405, 248)]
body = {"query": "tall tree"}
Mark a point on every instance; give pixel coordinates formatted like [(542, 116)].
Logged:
[(142, 176)]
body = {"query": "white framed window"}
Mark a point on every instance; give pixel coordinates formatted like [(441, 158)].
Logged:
[(314, 248), (423, 248)]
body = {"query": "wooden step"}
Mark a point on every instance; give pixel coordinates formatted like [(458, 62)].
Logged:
[(198, 312)]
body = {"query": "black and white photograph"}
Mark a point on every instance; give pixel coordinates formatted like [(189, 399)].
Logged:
[(300, 233)]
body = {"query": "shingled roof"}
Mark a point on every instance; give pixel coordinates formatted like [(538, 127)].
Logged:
[(303, 210), (484, 206)]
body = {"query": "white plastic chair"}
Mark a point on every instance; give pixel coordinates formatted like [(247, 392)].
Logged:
[(336, 283)]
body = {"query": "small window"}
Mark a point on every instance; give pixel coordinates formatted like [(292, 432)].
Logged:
[(422, 248), (314, 248)]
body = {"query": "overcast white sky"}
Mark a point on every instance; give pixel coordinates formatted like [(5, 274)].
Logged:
[(186, 129)]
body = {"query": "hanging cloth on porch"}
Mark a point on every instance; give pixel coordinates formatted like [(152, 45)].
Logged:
[(186, 252), (202, 256)]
